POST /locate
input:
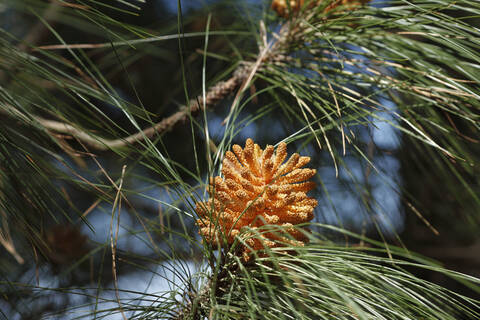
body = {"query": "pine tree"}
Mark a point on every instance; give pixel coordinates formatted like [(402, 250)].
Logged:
[(239, 159)]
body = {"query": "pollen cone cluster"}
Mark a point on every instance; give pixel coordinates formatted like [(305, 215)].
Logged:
[(258, 188), (285, 7)]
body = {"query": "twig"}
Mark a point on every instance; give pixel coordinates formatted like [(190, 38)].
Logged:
[(213, 96), (267, 52), (241, 77)]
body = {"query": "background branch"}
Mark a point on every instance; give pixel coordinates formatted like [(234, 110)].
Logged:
[(216, 93), (242, 77)]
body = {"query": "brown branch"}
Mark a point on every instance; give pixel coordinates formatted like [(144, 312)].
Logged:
[(242, 78), (215, 94)]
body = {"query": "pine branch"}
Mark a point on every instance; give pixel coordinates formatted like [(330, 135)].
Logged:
[(241, 78), (215, 94)]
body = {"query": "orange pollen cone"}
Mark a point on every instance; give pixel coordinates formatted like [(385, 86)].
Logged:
[(259, 187)]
